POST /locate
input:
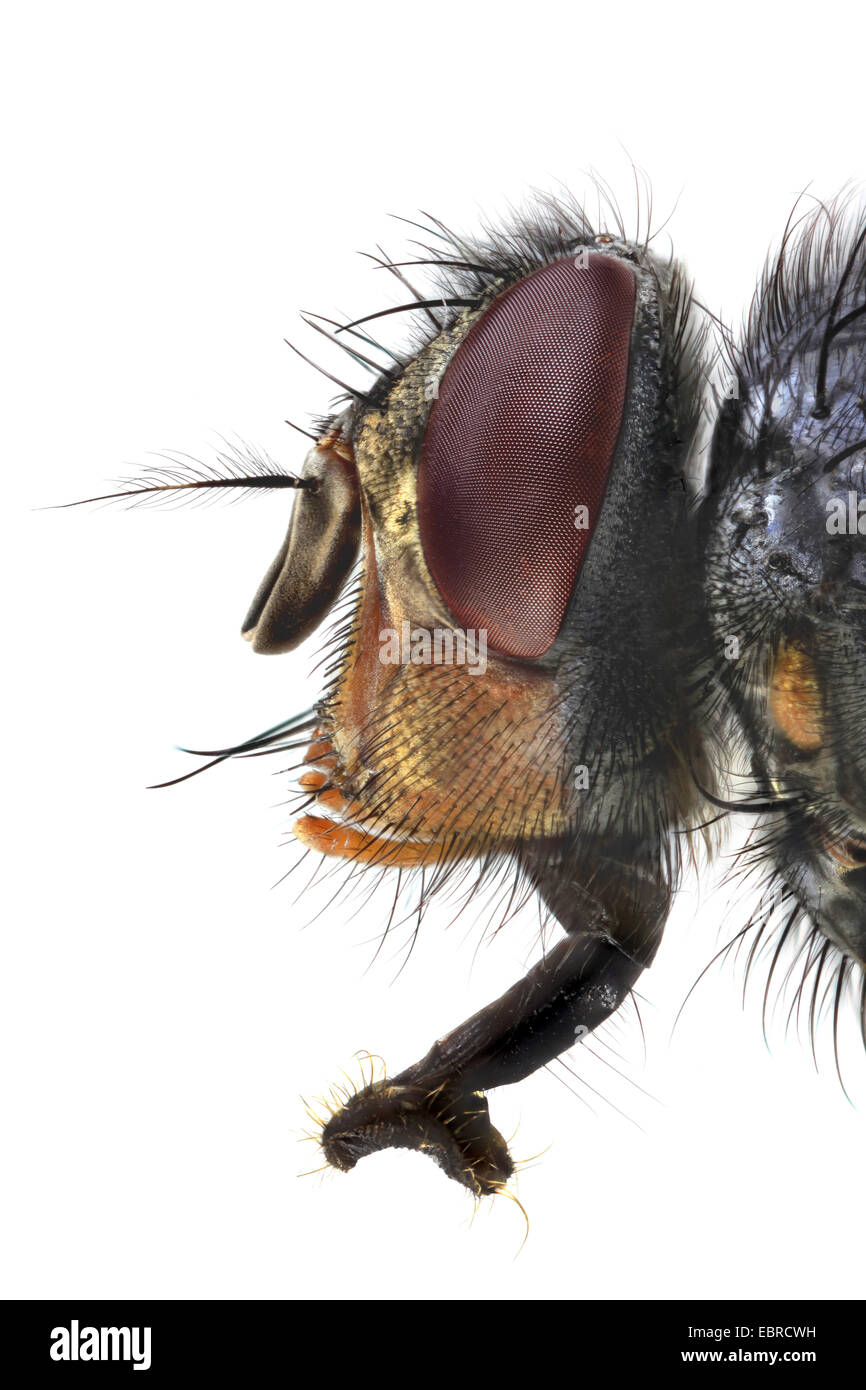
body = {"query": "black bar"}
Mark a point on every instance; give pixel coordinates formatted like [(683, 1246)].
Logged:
[(238, 1342)]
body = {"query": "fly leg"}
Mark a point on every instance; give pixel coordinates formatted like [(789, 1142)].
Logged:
[(438, 1106)]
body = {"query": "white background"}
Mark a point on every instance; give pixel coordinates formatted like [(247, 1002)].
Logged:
[(178, 181)]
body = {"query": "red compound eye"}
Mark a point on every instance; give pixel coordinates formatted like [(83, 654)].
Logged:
[(524, 431)]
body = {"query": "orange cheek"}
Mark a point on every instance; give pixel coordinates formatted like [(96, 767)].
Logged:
[(795, 698)]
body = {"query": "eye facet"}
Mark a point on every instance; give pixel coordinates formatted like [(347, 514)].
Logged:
[(523, 432)]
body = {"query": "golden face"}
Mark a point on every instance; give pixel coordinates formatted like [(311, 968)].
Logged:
[(422, 762)]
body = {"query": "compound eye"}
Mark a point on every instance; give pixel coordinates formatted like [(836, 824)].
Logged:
[(520, 440)]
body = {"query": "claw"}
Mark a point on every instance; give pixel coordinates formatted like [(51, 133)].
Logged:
[(451, 1126)]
